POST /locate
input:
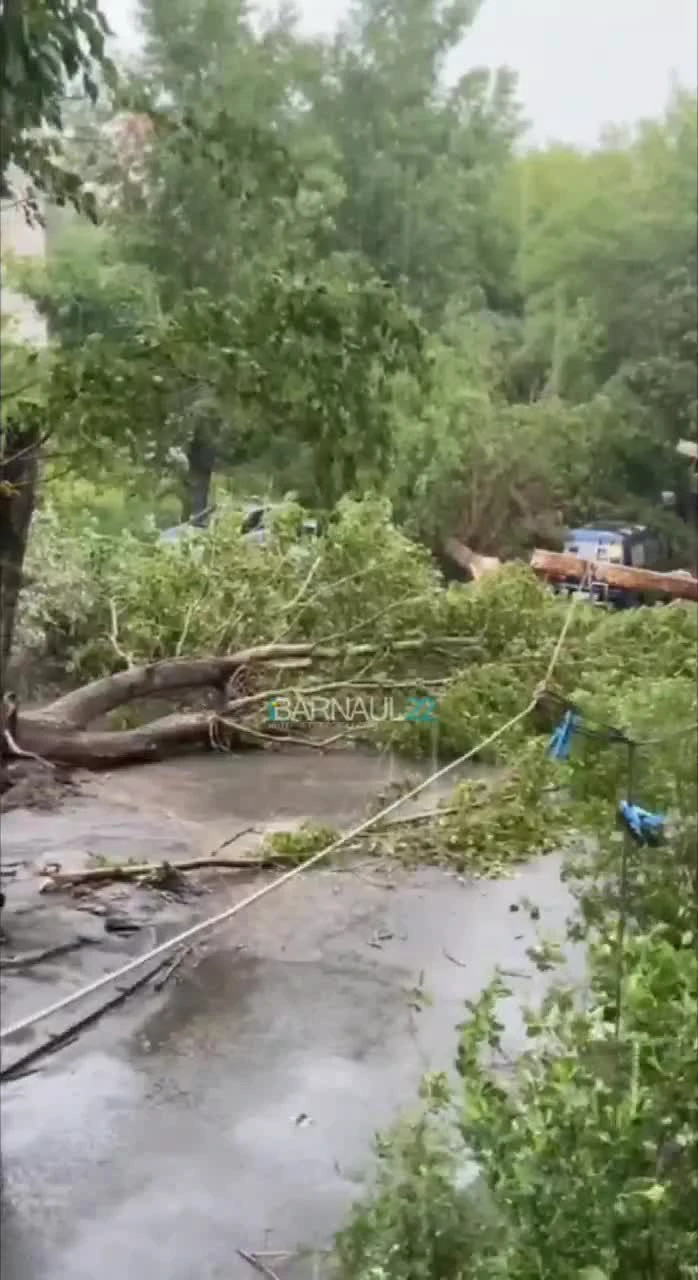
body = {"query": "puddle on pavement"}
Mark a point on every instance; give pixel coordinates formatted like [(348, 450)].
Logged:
[(237, 1109), (169, 811), (274, 787), (180, 807)]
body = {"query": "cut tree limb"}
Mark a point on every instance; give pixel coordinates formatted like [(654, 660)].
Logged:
[(98, 749), (471, 561), (557, 565), (59, 732), (159, 679), (153, 871)]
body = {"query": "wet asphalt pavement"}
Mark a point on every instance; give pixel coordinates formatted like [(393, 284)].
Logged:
[(236, 1108)]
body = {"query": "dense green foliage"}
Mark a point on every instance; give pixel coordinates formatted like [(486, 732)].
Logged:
[(587, 1146), (44, 46), (320, 265), (322, 269)]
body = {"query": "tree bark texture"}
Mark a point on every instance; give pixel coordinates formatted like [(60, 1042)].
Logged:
[(19, 449)]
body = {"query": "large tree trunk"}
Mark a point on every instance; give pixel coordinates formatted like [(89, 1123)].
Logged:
[(60, 733), (100, 749), (18, 479), (201, 460), (160, 679), (468, 561)]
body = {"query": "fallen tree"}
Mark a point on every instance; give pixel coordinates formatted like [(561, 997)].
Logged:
[(60, 734), (361, 609), (127, 610)]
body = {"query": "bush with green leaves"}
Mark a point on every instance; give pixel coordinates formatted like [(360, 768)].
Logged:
[(588, 1150), (108, 594), (97, 598)]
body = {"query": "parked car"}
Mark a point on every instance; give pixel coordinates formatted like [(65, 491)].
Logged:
[(197, 524), (254, 524)]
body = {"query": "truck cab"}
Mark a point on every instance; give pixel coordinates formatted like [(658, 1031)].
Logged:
[(623, 544)]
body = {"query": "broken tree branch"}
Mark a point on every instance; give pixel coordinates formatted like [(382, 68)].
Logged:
[(255, 1261), (114, 636), (56, 880), (95, 749), (273, 736), (180, 957), (159, 679)]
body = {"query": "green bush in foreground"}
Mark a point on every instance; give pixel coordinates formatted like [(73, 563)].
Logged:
[(588, 1150)]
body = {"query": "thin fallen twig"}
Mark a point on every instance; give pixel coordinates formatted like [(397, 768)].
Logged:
[(326, 589), (62, 1038), (372, 618), (428, 815), (461, 963), (47, 953), (245, 831), (255, 1261), (165, 976)]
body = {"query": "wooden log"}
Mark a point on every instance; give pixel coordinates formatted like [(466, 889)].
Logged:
[(471, 562), (557, 565)]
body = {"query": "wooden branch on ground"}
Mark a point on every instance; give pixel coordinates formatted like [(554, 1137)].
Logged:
[(413, 819), (152, 871), (158, 679), (105, 748), (59, 733), (557, 566), (32, 958)]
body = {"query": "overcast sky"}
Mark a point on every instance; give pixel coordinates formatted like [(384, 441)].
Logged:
[(581, 63)]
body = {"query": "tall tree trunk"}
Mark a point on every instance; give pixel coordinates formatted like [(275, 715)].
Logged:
[(19, 452), (201, 459)]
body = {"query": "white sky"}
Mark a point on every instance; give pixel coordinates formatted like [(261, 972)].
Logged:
[(581, 63)]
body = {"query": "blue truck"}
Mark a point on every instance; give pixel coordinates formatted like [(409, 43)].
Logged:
[(633, 545)]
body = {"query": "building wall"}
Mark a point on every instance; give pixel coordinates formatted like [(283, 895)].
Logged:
[(20, 239)]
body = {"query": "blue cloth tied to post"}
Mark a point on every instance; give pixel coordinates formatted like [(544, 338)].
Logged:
[(561, 741), (644, 827)]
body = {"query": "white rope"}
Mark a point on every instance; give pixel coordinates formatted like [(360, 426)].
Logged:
[(586, 576), (213, 922), (205, 926)]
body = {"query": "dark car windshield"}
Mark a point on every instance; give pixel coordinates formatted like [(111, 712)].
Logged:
[(254, 519)]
